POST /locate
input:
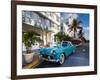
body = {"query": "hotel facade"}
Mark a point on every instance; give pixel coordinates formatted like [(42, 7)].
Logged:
[(45, 24)]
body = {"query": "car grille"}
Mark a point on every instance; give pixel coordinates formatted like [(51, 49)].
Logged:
[(46, 56)]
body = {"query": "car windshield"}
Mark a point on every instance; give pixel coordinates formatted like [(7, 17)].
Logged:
[(64, 44), (53, 45)]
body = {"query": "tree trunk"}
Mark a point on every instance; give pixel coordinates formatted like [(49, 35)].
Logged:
[(74, 35)]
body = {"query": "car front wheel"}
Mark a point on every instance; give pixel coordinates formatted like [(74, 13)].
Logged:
[(62, 59)]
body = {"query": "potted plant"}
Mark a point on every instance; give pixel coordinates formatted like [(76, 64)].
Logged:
[(29, 39)]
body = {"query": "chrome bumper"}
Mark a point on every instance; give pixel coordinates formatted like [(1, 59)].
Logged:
[(48, 59)]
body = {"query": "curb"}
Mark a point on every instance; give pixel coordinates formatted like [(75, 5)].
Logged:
[(33, 64), (78, 45)]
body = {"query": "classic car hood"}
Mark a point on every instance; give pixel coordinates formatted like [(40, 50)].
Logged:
[(47, 51)]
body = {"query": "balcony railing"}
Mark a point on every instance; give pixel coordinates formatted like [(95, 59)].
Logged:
[(34, 23), (28, 20)]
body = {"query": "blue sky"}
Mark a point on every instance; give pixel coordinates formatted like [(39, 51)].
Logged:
[(83, 17)]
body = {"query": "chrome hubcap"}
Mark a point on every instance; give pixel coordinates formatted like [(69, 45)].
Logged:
[(62, 59)]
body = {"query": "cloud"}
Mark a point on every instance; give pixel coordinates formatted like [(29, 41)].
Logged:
[(67, 16), (75, 16), (86, 32), (72, 15), (85, 28)]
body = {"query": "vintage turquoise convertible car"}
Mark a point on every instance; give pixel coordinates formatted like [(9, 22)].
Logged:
[(57, 52)]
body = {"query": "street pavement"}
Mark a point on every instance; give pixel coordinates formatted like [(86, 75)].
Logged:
[(79, 58)]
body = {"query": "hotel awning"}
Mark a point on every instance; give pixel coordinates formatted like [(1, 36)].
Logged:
[(38, 30)]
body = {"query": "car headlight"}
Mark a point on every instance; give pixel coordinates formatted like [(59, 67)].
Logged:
[(53, 52)]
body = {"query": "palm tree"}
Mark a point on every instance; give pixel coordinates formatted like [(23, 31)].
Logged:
[(61, 36), (80, 33), (74, 26)]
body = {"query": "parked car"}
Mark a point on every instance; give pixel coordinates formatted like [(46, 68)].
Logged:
[(57, 52)]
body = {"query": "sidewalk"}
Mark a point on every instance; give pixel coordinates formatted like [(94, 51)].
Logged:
[(36, 61)]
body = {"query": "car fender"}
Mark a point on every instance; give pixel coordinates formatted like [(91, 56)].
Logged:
[(59, 51)]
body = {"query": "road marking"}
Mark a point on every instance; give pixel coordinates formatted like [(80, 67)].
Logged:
[(33, 64)]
